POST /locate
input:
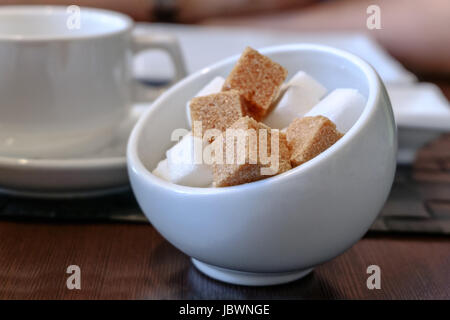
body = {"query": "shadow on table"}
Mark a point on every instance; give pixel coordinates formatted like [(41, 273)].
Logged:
[(175, 276), (310, 287)]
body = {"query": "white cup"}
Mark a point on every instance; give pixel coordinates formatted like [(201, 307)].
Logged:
[(65, 77)]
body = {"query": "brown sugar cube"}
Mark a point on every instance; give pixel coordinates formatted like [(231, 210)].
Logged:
[(218, 110), (253, 167), (258, 79), (309, 136)]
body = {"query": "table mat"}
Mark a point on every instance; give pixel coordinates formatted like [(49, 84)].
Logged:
[(419, 201)]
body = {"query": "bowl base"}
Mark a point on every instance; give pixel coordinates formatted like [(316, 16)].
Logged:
[(248, 278)]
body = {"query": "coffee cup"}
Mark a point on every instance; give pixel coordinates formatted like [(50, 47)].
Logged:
[(65, 77)]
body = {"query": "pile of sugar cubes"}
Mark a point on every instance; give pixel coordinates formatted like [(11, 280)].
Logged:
[(299, 115)]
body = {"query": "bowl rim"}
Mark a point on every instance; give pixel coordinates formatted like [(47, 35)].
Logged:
[(136, 166)]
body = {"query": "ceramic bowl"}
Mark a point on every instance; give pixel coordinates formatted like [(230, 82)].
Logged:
[(274, 230)]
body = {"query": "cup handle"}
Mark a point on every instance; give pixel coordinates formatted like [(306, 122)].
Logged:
[(167, 43)]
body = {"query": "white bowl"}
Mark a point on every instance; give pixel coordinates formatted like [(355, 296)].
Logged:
[(274, 230)]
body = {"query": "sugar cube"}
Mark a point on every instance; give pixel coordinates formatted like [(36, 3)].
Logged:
[(247, 163), (342, 106), (309, 136), (258, 79), (301, 93), (214, 86), (185, 164), (217, 110), (162, 170)]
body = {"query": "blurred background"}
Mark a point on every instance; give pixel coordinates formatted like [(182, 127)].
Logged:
[(416, 32)]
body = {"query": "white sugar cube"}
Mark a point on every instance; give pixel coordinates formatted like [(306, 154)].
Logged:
[(215, 86), (301, 93), (162, 170), (342, 106), (185, 165)]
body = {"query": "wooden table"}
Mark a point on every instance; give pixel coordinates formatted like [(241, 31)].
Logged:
[(126, 261), (132, 261)]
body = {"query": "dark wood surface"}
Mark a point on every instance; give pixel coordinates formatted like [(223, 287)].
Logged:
[(132, 261), (126, 261)]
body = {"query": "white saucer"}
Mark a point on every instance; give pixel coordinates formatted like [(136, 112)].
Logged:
[(422, 114), (248, 278), (92, 174)]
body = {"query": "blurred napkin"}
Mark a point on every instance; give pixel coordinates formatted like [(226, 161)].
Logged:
[(203, 46)]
